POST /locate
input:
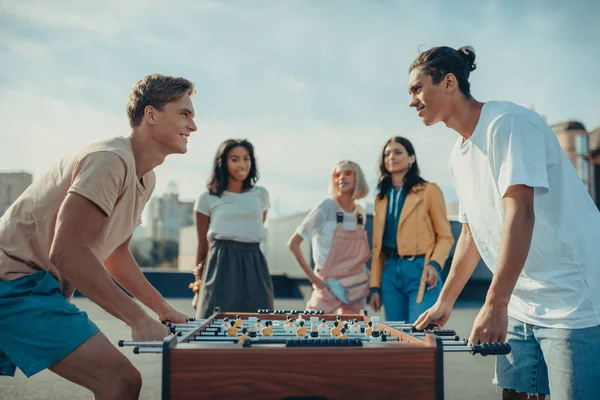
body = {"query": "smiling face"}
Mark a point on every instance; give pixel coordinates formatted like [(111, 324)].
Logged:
[(173, 125), (396, 158), (344, 178), (429, 100), (239, 163)]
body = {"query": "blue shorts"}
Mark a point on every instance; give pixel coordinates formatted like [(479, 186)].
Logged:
[(560, 362), (38, 325)]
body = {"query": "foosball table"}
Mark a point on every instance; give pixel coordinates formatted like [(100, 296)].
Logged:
[(296, 354)]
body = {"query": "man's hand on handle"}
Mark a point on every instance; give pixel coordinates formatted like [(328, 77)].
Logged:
[(172, 315), (490, 326), (148, 329), (439, 314)]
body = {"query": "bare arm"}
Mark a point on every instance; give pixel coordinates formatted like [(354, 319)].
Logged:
[(78, 225), (492, 321), (294, 246), (464, 262), (202, 223), (125, 270), (514, 243)]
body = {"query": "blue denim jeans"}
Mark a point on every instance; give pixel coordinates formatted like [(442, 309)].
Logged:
[(399, 287), (564, 363)]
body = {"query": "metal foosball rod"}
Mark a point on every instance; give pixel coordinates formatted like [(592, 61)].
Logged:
[(125, 343), (147, 350)]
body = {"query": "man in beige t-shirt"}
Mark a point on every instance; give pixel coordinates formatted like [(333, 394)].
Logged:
[(70, 230)]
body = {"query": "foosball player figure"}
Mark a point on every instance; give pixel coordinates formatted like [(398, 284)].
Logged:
[(336, 330), (288, 325), (232, 330), (225, 325), (238, 322), (323, 328), (301, 332), (267, 330), (259, 325), (252, 327), (376, 330), (314, 327), (369, 329), (342, 334), (339, 321), (244, 336), (355, 328)]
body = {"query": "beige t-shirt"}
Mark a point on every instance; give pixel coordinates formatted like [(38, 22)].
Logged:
[(104, 173)]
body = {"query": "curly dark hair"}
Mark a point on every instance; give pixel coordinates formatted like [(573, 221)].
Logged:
[(220, 176)]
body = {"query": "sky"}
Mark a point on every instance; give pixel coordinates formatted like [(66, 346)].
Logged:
[(309, 82)]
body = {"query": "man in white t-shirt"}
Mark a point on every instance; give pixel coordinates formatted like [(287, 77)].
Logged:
[(524, 210), (75, 217)]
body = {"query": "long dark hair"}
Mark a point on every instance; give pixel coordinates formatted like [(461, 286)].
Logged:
[(412, 177), (438, 62), (220, 175)]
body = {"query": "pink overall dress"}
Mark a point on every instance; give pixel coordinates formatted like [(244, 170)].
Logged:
[(347, 257)]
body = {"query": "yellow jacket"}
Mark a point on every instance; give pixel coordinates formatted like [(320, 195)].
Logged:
[(423, 228)]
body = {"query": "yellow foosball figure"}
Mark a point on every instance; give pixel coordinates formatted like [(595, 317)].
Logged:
[(244, 336), (301, 332), (238, 322), (267, 330), (342, 334), (195, 286), (232, 330), (336, 330), (369, 329)]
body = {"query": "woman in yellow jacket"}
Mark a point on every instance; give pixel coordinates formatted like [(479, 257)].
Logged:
[(411, 236)]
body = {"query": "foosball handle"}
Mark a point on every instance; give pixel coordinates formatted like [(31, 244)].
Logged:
[(491, 349), (431, 327)]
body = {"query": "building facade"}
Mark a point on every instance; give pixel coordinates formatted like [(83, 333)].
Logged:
[(12, 185), (583, 149), (167, 215)]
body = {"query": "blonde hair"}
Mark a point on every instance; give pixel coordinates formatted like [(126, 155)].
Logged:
[(361, 189)]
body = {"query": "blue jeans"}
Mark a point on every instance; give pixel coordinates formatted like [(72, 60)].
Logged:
[(399, 287), (561, 362)]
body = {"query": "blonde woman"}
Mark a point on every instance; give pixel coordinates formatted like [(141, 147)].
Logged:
[(339, 243)]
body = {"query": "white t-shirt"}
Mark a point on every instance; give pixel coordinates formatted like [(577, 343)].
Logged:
[(235, 216), (560, 282), (320, 223)]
